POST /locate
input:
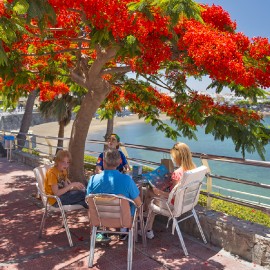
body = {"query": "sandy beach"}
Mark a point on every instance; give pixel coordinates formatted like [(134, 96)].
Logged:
[(51, 129)]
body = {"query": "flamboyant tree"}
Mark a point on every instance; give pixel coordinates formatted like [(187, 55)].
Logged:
[(92, 45)]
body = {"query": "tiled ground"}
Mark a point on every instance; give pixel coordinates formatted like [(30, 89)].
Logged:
[(20, 247)]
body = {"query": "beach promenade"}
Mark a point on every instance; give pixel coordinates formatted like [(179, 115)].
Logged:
[(20, 247)]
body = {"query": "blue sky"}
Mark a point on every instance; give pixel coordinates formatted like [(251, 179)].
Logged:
[(252, 18)]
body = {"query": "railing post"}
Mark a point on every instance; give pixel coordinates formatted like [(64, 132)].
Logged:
[(50, 147), (15, 141), (208, 184), (30, 146)]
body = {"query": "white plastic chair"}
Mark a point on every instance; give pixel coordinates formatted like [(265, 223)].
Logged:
[(40, 173), (185, 196), (112, 211)]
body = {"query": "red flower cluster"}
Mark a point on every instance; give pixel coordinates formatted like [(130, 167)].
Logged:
[(2, 8), (83, 25), (218, 18), (50, 91)]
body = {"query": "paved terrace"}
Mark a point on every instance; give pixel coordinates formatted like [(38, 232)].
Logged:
[(20, 247)]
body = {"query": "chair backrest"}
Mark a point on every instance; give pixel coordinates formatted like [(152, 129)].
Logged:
[(186, 194), (40, 174), (110, 210)]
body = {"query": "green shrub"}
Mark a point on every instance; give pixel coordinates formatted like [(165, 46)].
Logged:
[(34, 152), (147, 169), (239, 211), (90, 162)]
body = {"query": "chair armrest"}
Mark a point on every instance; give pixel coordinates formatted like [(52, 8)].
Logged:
[(164, 200), (158, 199), (139, 206), (51, 196), (55, 197)]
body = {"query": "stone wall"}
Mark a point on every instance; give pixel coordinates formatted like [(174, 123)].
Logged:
[(10, 122), (247, 240), (28, 159)]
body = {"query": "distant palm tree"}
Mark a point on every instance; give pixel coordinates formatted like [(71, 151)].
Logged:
[(27, 118), (60, 108)]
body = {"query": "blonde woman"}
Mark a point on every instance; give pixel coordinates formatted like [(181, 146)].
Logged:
[(182, 158)]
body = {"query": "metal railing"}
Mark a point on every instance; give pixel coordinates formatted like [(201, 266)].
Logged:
[(46, 146)]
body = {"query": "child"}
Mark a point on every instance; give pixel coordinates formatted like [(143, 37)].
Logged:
[(181, 157), (113, 143), (57, 183)]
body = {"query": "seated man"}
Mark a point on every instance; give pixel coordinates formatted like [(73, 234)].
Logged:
[(113, 182)]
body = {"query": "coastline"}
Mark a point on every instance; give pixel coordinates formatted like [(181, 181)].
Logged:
[(51, 128)]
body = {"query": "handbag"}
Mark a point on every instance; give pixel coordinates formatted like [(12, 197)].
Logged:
[(167, 162)]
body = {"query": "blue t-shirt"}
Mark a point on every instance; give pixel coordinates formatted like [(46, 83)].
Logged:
[(113, 182), (119, 168)]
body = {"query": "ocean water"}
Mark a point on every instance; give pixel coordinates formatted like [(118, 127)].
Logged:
[(145, 134)]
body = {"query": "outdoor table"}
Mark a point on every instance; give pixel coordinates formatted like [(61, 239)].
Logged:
[(141, 184)]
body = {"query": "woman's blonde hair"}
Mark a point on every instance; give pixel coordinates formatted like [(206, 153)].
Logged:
[(182, 156), (60, 155)]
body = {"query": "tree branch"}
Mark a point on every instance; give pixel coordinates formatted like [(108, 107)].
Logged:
[(116, 70), (78, 78), (55, 52)]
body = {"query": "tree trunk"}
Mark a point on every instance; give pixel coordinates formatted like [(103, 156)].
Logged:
[(109, 130), (98, 88), (80, 129), (61, 134), (27, 118)]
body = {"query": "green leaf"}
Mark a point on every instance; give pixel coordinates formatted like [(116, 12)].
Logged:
[(131, 39), (210, 126), (3, 56), (21, 7)]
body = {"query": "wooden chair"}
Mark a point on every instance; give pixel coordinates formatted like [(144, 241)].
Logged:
[(185, 196), (40, 173)]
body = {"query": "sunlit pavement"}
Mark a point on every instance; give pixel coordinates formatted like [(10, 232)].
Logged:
[(20, 247)]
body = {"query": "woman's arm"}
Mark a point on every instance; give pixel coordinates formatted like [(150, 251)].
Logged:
[(160, 193)]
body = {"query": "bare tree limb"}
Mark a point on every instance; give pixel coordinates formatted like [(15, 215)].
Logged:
[(116, 70)]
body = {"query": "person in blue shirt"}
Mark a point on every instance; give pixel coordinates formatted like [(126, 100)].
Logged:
[(111, 181), (113, 143)]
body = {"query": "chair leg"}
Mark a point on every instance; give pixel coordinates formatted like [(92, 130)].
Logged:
[(130, 249), (136, 228), (180, 236), (42, 222), (92, 246), (66, 227), (142, 227), (150, 220), (199, 225), (147, 220)]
